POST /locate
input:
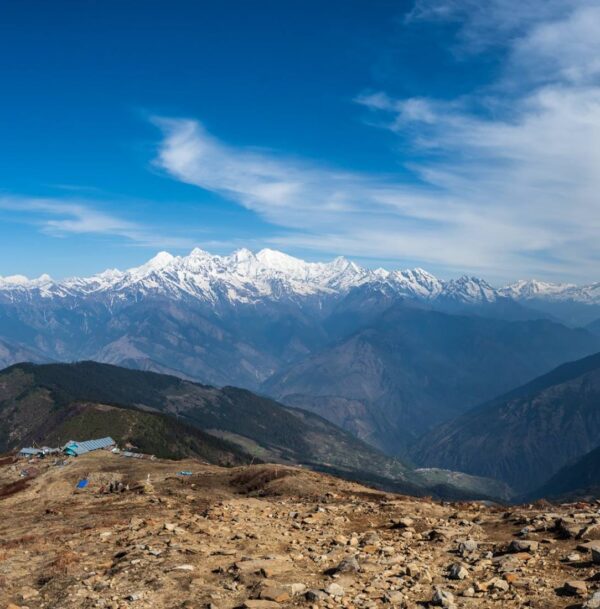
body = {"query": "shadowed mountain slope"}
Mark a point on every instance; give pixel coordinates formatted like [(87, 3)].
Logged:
[(36, 400), (527, 435), (577, 480), (413, 368), (172, 417), (594, 327)]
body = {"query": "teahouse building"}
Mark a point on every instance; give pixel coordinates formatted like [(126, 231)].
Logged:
[(74, 448)]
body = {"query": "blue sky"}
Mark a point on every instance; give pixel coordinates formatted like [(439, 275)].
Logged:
[(454, 135)]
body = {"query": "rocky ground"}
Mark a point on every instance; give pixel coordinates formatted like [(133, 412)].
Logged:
[(142, 536)]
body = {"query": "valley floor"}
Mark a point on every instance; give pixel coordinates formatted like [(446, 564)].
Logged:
[(270, 536)]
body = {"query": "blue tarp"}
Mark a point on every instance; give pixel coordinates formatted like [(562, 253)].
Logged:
[(82, 483)]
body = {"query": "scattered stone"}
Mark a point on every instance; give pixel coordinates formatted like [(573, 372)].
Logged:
[(28, 593), (273, 592), (267, 567), (458, 571), (568, 529), (183, 568), (467, 546), (348, 565), (191, 547), (499, 584), (419, 572), (588, 546), (335, 590), (394, 598), (523, 545), (297, 589), (593, 602), (315, 595), (403, 523), (591, 531), (260, 604), (575, 587), (443, 598)]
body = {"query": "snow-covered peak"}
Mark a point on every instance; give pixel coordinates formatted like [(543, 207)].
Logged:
[(21, 281), (158, 262), (470, 290), (533, 289), (198, 252), (278, 260), (243, 255), (110, 274), (417, 283), (381, 273), (341, 262), (16, 280)]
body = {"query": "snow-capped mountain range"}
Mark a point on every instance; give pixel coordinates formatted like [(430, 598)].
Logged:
[(384, 353), (247, 277), (240, 277)]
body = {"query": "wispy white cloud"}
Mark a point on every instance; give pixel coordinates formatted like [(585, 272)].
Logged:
[(283, 191), (563, 50), (449, 223), (61, 217), (484, 25), (505, 180)]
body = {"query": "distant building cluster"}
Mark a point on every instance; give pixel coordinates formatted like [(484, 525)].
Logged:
[(73, 448)]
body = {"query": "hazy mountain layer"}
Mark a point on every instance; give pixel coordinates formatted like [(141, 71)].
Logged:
[(527, 435), (594, 327), (412, 369), (11, 353), (577, 480)]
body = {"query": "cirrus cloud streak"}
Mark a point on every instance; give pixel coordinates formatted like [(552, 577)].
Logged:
[(60, 217)]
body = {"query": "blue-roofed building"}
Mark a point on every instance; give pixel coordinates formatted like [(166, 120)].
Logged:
[(30, 452), (37, 452), (74, 448)]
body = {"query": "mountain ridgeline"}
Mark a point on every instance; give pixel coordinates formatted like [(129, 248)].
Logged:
[(527, 435), (38, 398), (579, 479), (413, 368), (174, 418)]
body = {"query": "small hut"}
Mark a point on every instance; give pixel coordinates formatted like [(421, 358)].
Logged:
[(31, 452)]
